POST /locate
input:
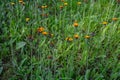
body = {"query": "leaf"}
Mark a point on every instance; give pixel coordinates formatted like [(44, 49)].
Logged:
[(20, 45), (1, 69)]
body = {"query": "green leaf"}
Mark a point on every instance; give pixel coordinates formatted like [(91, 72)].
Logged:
[(20, 45)]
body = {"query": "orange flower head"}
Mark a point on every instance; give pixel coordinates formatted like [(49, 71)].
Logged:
[(87, 37), (75, 24), (44, 33), (61, 7), (69, 39), (43, 7), (20, 1), (104, 22), (76, 36), (41, 29), (114, 19)]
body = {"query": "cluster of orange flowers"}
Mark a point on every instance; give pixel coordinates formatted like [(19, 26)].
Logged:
[(42, 31), (20, 1)]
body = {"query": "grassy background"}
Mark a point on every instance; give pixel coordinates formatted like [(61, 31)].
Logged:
[(26, 54)]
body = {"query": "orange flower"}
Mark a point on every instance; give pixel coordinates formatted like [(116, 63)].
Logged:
[(87, 37), (22, 2), (69, 39), (43, 7), (76, 36), (61, 7), (104, 22), (75, 24), (44, 33), (114, 19), (41, 29)]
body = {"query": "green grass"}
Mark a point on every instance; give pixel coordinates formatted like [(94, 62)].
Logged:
[(26, 54)]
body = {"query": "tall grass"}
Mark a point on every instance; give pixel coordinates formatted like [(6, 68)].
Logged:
[(29, 53)]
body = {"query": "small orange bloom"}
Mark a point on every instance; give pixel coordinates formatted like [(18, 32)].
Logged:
[(75, 24), (69, 39), (87, 37), (61, 7), (104, 22), (114, 19), (44, 33), (45, 6), (20, 1), (76, 36), (41, 29)]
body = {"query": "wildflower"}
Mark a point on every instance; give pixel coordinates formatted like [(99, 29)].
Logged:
[(27, 19), (22, 2), (114, 19), (87, 37), (41, 29), (61, 7), (69, 39), (12, 3), (65, 4), (104, 23), (44, 33), (79, 3), (75, 24), (76, 36), (45, 6)]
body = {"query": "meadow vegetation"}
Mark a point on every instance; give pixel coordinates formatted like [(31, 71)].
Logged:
[(59, 40)]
